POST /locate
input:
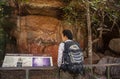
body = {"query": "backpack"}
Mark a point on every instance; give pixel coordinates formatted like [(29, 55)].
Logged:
[(72, 60)]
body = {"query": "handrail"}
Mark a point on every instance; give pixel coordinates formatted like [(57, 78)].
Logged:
[(55, 67), (92, 65), (106, 65), (28, 68)]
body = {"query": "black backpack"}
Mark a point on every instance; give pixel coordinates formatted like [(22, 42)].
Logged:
[(72, 60)]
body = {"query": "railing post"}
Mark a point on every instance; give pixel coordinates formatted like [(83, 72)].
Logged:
[(27, 73), (108, 72)]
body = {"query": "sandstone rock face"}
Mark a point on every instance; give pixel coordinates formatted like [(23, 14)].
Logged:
[(43, 7), (39, 27), (115, 45), (51, 3), (38, 35)]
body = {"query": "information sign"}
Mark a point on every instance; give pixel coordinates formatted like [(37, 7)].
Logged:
[(26, 60)]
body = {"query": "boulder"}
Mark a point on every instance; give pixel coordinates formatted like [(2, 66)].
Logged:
[(110, 53), (114, 70), (102, 69), (114, 45)]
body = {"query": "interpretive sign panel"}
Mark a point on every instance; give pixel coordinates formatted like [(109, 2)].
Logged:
[(26, 60)]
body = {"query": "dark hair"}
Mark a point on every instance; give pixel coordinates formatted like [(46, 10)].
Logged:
[(68, 34)]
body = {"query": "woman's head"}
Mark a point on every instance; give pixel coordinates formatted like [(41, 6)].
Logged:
[(67, 34)]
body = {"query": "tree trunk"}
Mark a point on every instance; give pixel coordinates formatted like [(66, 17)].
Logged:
[(89, 32)]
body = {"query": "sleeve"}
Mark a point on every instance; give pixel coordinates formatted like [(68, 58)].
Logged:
[(60, 54)]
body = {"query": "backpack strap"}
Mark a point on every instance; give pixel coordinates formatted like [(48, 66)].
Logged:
[(63, 58), (65, 52)]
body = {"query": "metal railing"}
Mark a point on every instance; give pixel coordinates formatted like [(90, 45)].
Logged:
[(26, 69), (47, 72), (103, 65)]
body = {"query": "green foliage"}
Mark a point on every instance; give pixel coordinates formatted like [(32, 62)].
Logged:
[(6, 25), (5, 10), (2, 34), (1, 8), (2, 43), (5, 17), (72, 12), (103, 13), (100, 10)]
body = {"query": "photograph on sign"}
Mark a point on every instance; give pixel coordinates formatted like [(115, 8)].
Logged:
[(42, 61)]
